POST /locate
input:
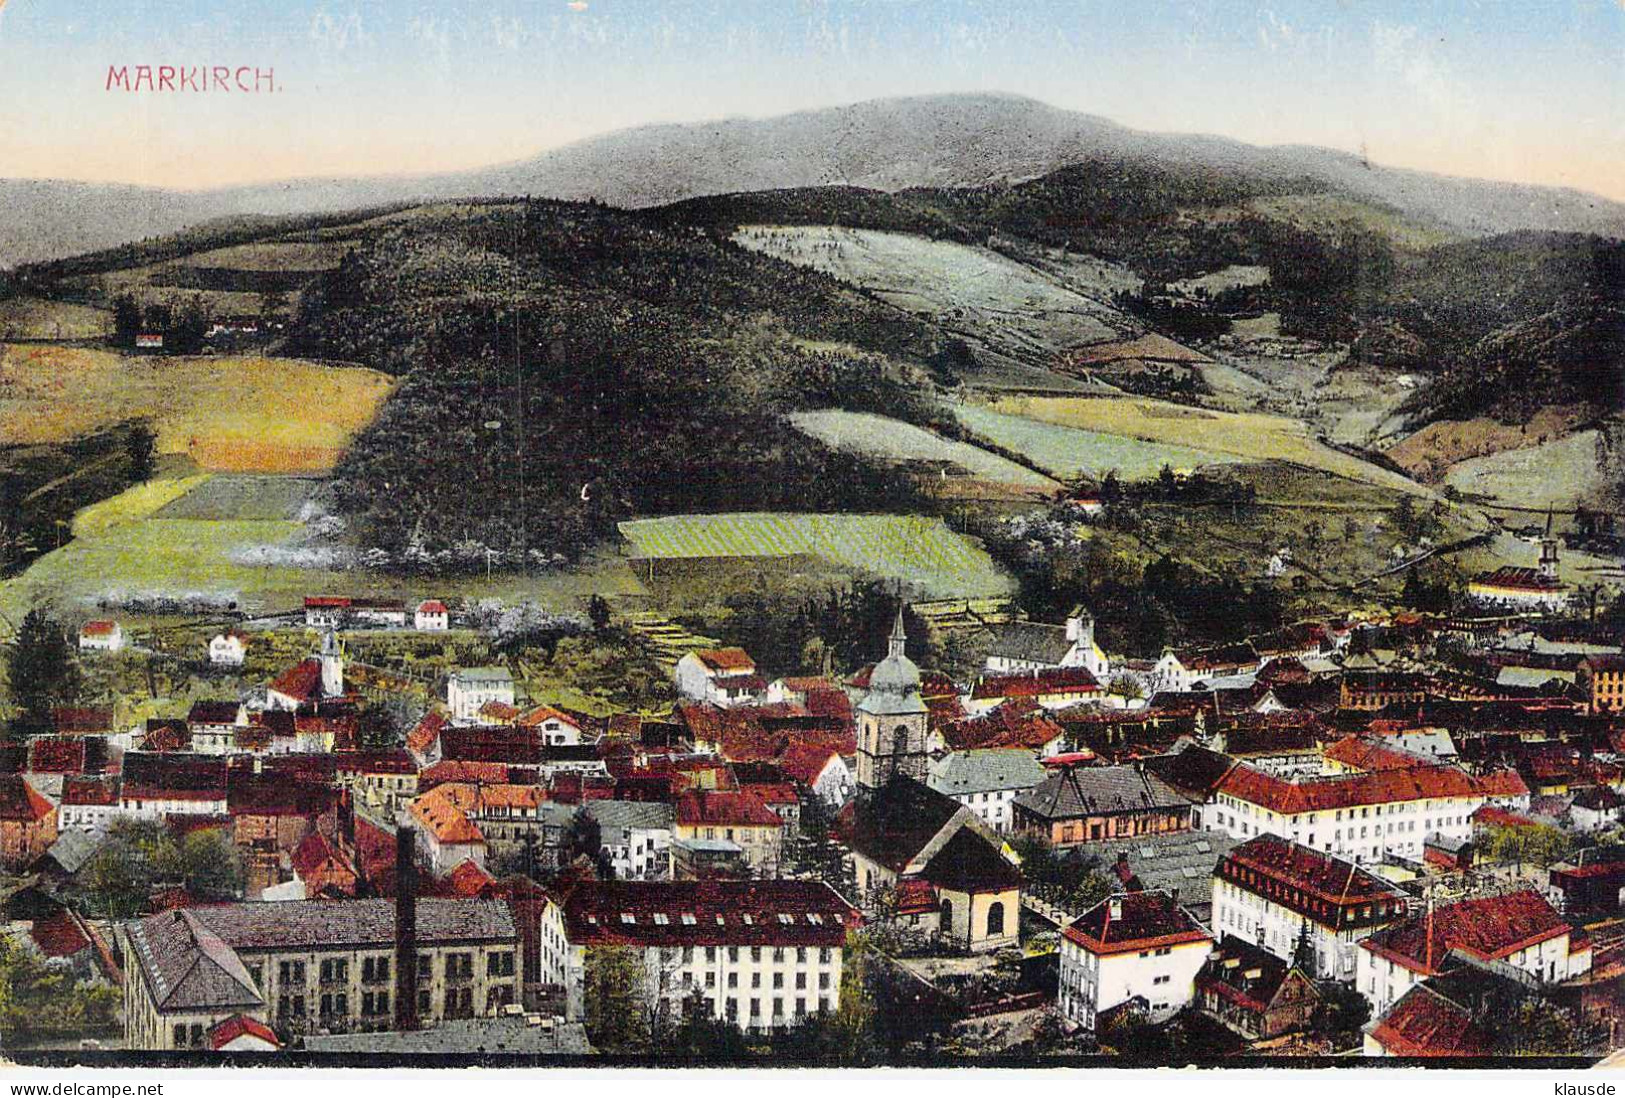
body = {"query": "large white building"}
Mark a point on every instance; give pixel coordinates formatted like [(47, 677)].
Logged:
[(470, 689), (1520, 929), (1035, 646), (987, 780), (1134, 946), (1362, 816), (760, 955), (1277, 894)]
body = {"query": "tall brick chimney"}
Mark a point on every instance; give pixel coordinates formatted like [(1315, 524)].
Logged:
[(406, 929)]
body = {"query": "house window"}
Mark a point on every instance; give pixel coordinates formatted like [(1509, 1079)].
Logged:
[(995, 918)]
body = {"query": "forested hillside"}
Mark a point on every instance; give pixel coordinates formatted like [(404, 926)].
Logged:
[(568, 365)]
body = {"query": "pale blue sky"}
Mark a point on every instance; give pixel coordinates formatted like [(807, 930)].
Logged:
[(1528, 91)]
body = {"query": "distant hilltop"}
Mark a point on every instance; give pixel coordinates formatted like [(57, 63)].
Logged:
[(886, 144)]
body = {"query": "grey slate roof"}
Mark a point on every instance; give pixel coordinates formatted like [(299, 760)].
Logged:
[(622, 816), (293, 924), (1077, 791), (511, 1035), (483, 674), (188, 967), (1181, 862), (1031, 640), (985, 770), (74, 848)]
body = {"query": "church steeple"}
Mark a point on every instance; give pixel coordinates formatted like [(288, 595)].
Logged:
[(899, 637), (892, 722)]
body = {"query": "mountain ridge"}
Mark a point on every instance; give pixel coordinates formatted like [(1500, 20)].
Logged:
[(953, 140)]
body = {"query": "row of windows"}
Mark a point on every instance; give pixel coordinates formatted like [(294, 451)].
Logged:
[(778, 980), (731, 1007), (803, 954), (376, 970)]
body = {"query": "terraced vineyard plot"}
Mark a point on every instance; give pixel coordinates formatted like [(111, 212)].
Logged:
[(1247, 436), (1554, 474), (914, 549), (1072, 451), (898, 441), (1018, 316), (243, 498)]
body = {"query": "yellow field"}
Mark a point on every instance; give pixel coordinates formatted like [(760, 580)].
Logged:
[(37, 318), (234, 414), (1247, 435)]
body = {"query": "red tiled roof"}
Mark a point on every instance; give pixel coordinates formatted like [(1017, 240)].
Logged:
[(699, 808), (98, 628), (1145, 920), (214, 712), (726, 660), (1012, 724), (1502, 783), (57, 755), (318, 854), (427, 730), (1295, 866), (20, 802), (61, 934), (240, 1025), (1488, 927), (1425, 1023), (1512, 578), (386, 761), (1290, 797), (462, 770), (771, 793), (437, 811), (1032, 684), (699, 913), (431, 606), (499, 711), (81, 721), (468, 879), (540, 714), (806, 761), (166, 735), (916, 896), (300, 682), (89, 791), (1360, 754)]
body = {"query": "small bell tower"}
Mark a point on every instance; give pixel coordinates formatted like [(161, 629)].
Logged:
[(332, 666), (1548, 551)]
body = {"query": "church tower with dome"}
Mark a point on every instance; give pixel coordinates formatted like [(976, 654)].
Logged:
[(892, 719)]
